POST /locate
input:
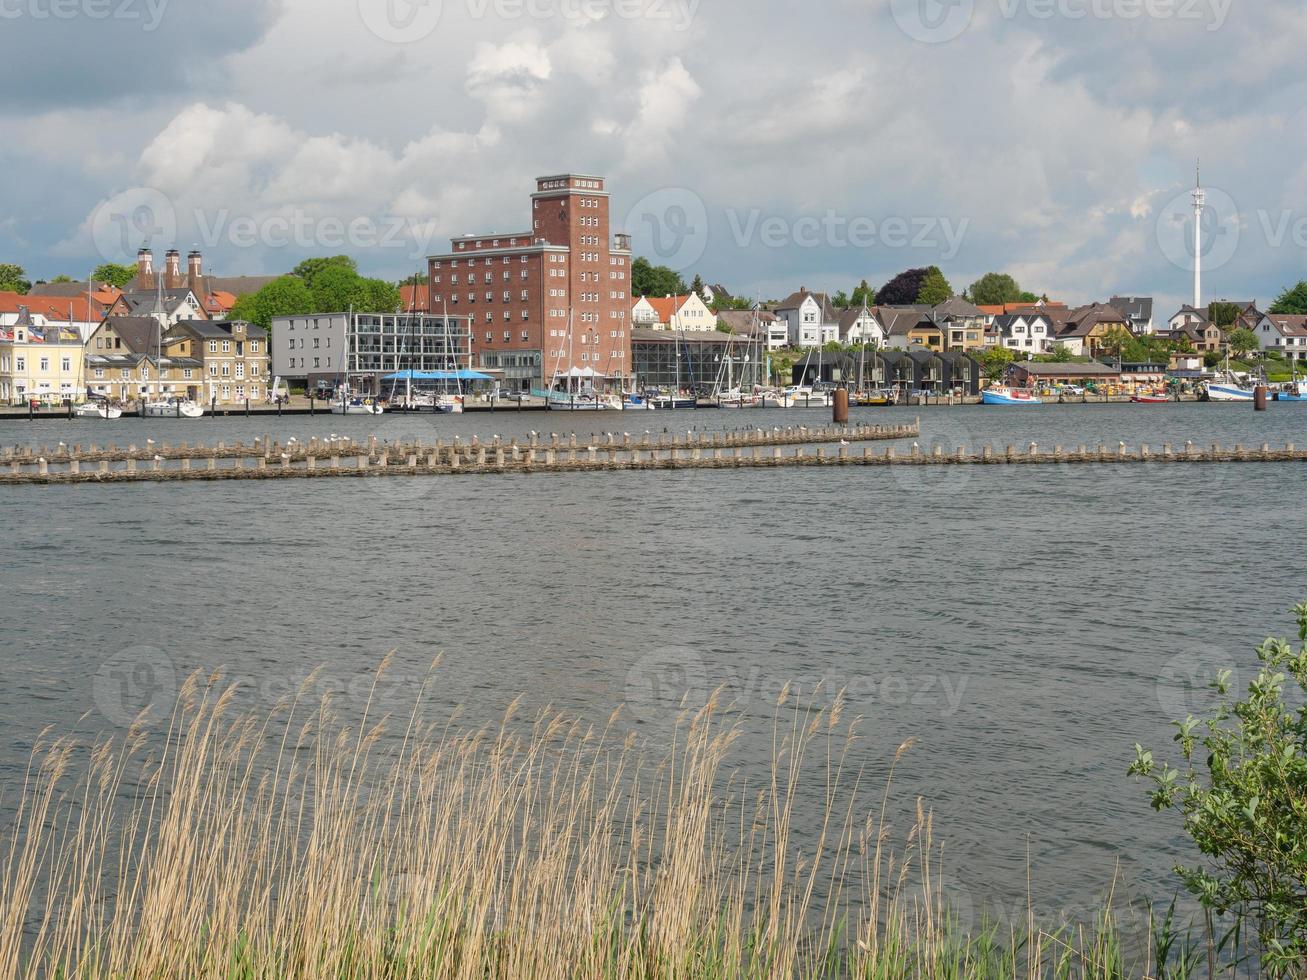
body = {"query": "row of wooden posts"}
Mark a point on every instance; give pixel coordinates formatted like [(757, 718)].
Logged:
[(484, 459)]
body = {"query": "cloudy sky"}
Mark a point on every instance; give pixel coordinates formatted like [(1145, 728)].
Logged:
[(764, 145)]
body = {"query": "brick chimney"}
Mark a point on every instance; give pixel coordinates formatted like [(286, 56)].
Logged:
[(194, 265), (172, 271), (145, 269)]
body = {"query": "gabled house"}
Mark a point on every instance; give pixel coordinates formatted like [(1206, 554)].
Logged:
[(178, 304), (235, 361), (813, 320), (1249, 316), (1030, 333), (1138, 311), (39, 363), (131, 357), (680, 313), (1085, 328), (1203, 336), (751, 323), (909, 326), (861, 326), (961, 324), (1284, 333)]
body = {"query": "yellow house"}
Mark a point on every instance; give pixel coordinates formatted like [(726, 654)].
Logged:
[(124, 362), (42, 366)]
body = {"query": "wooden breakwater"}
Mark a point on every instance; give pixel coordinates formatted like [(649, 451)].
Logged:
[(266, 458)]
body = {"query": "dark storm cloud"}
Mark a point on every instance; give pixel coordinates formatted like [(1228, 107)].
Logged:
[(65, 53)]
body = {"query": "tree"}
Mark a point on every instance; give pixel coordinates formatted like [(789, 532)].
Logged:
[(1293, 301), (63, 278), (995, 289), (417, 279), (697, 286), (310, 269), (655, 280), (1115, 341), (840, 300), (377, 296), (1242, 342), (935, 289), (996, 361), (1223, 314), (287, 296), (903, 289), (864, 295), (1061, 354), (1242, 791), (13, 279), (114, 274)]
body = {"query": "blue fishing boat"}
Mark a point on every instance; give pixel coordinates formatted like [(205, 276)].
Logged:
[(1003, 395)]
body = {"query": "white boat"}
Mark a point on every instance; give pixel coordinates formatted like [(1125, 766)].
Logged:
[(449, 404), (738, 399), (172, 408), (1003, 395), (796, 396), (1228, 391), (97, 410), (356, 406), (585, 400), (1293, 391)]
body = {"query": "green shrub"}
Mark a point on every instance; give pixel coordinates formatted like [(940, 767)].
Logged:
[(1243, 793)]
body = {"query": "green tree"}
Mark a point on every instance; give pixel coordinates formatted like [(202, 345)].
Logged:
[(63, 278), (840, 300), (1223, 314), (287, 296), (1241, 342), (377, 296), (335, 289), (1242, 791), (935, 289), (832, 347), (696, 287), (310, 269), (1025, 297), (114, 274), (417, 279), (1293, 301), (995, 362), (1115, 341), (655, 280), (995, 289), (1061, 354), (864, 294), (13, 279)]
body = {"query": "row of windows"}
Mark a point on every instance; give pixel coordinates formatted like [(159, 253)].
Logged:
[(585, 338), (594, 356), (290, 344), (20, 364), (508, 336)]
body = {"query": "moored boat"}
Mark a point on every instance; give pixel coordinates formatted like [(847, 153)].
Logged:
[(1228, 391), (1003, 395), (1151, 399), (172, 408), (97, 410)]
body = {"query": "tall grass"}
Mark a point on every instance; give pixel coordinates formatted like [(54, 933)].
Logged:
[(291, 843)]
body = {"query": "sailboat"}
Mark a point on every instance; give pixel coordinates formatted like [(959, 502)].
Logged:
[(1294, 390), (346, 402), (166, 408), (579, 395)]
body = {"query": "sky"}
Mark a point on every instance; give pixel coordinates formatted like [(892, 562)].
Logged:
[(762, 145)]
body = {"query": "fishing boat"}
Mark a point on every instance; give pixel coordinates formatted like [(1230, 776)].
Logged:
[(97, 410), (1228, 391), (1295, 390), (1003, 395)]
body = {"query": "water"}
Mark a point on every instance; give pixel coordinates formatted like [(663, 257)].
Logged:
[(1025, 626)]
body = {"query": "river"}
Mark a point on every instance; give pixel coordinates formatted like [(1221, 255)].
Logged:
[(1025, 626)]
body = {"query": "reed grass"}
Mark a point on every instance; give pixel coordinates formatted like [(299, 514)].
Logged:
[(293, 843)]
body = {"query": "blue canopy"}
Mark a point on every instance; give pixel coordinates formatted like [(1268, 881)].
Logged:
[(462, 374)]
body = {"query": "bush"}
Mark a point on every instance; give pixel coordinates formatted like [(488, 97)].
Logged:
[(1243, 794)]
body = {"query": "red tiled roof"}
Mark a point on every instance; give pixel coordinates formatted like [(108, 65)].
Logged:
[(666, 306), (57, 308), (415, 299)]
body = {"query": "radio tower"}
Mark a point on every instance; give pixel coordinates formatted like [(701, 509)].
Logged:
[(1200, 201)]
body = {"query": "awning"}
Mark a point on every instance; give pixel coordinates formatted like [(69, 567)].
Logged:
[(462, 374)]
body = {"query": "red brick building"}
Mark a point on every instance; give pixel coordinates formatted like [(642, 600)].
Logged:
[(523, 289)]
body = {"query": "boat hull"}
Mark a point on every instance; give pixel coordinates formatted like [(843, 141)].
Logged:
[(992, 398), (357, 410), (1151, 400), (1228, 393)]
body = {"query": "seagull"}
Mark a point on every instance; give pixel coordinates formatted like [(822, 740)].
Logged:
[(844, 442), (158, 458), (149, 442)]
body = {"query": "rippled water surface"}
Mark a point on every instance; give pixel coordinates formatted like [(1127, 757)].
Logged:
[(1025, 626)]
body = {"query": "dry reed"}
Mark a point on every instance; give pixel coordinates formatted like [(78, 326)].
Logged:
[(294, 844)]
